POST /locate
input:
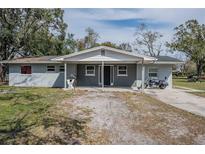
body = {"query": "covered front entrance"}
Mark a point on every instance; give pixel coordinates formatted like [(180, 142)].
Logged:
[(108, 75), (104, 66)]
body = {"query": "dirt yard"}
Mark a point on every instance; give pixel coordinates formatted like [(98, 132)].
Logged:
[(134, 118)]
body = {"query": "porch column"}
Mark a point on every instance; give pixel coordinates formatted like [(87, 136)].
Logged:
[(143, 74), (65, 75), (102, 74), (136, 75)]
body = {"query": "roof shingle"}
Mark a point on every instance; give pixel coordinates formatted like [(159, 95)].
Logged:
[(167, 59)]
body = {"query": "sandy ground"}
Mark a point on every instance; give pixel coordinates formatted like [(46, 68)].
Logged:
[(180, 98), (111, 118), (134, 118)]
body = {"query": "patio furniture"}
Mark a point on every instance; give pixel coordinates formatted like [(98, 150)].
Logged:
[(71, 83)]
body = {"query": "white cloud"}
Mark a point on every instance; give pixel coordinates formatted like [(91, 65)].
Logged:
[(103, 14), (78, 23), (166, 15), (79, 19)]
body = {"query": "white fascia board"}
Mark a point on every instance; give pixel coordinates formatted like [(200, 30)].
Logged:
[(51, 62), (170, 62), (103, 58), (130, 53), (76, 53), (61, 58)]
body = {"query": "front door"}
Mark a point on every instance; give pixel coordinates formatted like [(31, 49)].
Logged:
[(107, 75)]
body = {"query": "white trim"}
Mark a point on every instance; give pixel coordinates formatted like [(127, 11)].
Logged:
[(65, 75), (99, 83), (99, 62), (31, 62), (102, 74), (111, 76), (166, 62), (59, 67), (123, 70), (86, 74), (61, 58), (143, 75), (153, 72)]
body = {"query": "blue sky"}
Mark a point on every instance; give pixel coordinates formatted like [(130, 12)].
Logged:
[(118, 25)]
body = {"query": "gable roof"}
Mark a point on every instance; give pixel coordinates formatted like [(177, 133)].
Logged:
[(24, 60), (167, 59), (61, 58)]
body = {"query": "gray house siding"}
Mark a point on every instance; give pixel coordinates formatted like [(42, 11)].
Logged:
[(125, 81), (108, 53), (164, 70), (39, 77), (83, 80)]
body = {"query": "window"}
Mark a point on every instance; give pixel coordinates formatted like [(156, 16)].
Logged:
[(90, 70), (153, 72), (25, 69), (61, 68), (50, 68), (122, 70)]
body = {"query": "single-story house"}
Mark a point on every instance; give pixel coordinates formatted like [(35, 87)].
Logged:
[(98, 66)]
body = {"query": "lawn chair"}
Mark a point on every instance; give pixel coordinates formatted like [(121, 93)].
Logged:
[(71, 83)]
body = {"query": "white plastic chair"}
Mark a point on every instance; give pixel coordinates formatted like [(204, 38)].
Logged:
[(70, 83)]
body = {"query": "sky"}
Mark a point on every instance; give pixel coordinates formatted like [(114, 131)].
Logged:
[(118, 25)]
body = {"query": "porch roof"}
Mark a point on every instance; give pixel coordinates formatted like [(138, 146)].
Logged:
[(133, 56)]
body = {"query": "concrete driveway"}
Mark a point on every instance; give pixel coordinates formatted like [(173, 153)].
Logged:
[(180, 98)]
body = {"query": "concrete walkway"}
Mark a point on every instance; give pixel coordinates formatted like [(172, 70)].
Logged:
[(181, 99)]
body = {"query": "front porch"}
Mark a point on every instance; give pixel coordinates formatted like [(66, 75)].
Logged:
[(104, 66), (105, 74)]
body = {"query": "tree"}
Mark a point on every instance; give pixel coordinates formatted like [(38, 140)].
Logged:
[(71, 45), (89, 41), (91, 38), (190, 39), (122, 46), (189, 67), (80, 44), (109, 44), (126, 47), (147, 41), (31, 32)]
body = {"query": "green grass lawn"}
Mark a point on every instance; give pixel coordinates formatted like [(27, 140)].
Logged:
[(202, 94), (182, 82), (34, 116)]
